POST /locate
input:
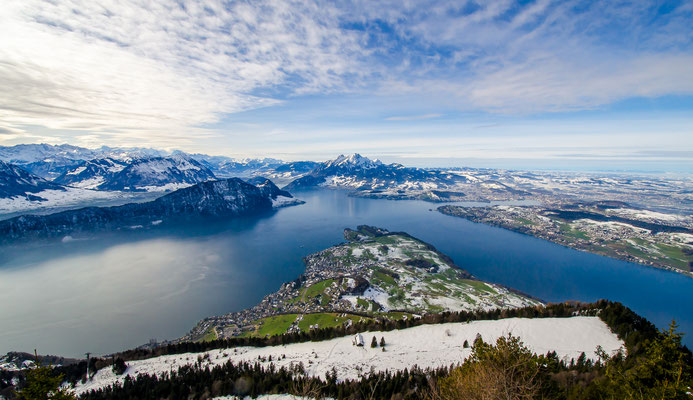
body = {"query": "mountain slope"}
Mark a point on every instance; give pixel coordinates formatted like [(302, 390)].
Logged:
[(157, 173), (225, 167), (50, 161), (221, 199), (427, 346), (372, 178), (91, 174), (16, 182)]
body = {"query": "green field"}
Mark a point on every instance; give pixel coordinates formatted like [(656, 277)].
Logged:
[(676, 256), (324, 320), (317, 289), (275, 325), (209, 335), (574, 233)]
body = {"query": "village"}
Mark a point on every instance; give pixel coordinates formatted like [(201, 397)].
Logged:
[(640, 236), (375, 274)]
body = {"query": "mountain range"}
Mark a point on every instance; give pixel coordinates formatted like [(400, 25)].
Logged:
[(16, 182), (108, 172), (212, 199)]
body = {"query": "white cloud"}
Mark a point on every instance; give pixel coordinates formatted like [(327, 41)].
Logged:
[(413, 117), (140, 67), (165, 73)]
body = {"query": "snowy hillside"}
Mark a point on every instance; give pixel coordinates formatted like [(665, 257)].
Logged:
[(372, 178), (60, 199), (140, 174), (16, 182), (91, 174), (50, 161), (425, 346), (157, 173)]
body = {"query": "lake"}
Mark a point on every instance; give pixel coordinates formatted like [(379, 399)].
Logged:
[(115, 291)]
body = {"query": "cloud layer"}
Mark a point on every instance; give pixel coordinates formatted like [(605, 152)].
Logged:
[(141, 72)]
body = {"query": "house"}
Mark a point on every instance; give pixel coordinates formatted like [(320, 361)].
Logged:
[(357, 340)]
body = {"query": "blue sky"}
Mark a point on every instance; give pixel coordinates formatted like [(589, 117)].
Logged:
[(514, 84)]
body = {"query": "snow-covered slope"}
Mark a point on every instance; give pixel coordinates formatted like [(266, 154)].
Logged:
[(139, 174), (372, 178), (157, 173), (15, 182), (91, 174), (225, 167), (50, 161), (425, 346)]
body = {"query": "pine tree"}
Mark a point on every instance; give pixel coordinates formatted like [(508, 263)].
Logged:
[(119, 366), (382, 341), (374, 342), (42, 383)]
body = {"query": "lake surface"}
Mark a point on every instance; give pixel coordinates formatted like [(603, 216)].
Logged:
[(116, 291)]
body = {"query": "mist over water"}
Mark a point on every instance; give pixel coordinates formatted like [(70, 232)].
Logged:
[(115, 291)]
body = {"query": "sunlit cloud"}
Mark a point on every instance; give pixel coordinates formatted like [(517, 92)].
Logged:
[(184, 74), (413, 117)]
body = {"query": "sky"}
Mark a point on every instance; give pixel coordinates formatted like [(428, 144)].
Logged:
[(512, 84)]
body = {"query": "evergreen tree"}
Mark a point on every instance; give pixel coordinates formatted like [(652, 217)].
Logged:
[(119, 366), (42, 383), (374, 342), (382, 341), (664, 371)]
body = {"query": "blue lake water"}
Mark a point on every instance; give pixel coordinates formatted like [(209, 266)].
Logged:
[(116, 291)]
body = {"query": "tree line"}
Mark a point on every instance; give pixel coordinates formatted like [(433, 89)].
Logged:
[(654, 365)]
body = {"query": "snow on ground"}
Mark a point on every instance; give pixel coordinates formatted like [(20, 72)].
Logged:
[(283, 201), (267, 397), (54, 198), (652, 215), (379, 296), (611, 224), (169, 187), (425, 346), (91, 183)]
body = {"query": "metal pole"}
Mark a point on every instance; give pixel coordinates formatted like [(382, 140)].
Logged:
[(87, 354)]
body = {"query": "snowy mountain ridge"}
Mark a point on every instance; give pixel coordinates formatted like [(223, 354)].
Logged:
[(15, 181), (142, 174), (222, 199)]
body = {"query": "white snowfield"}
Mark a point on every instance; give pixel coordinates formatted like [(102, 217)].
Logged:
[(283, 201), (267, 397), (426, 346), (56, 198)]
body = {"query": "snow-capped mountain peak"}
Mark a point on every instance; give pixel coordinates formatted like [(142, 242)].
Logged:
[(353, 161)]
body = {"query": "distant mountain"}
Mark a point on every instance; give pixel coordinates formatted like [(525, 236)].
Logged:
[(146, 174), (53, 161), (354, 163), (29, 153), (50, 161), (15, 181), (91, 174), (220, 199), (227, 167), (373, 177), (296, 167)]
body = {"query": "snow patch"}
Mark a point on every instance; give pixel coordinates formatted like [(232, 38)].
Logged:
[(428, 346)]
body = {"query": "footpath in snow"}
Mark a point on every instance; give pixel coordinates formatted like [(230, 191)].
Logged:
[(425, 346)]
